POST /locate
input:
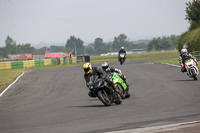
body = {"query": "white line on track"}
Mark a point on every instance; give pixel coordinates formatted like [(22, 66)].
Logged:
[(156, 128), (171, 64), (165, 64), (11, 84)]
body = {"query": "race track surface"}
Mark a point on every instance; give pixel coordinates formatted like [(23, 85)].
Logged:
[(57, 101)]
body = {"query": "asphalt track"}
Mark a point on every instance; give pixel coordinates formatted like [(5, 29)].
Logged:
[(57, 101)]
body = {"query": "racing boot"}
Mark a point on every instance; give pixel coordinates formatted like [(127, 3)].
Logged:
[(183, 69), (127, 93), (91, 94)]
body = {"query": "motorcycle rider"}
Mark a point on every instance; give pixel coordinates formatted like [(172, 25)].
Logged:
[(183, 57), (106, 67), (89, 71), (123, 51)]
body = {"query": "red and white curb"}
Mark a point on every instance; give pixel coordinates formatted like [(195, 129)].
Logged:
[(157, 128), (11, 84)]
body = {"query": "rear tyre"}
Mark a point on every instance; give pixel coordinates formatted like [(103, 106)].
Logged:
[(104, 97)]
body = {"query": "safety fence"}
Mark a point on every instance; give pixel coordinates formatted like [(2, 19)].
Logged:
[(36, 63), (196, 54)]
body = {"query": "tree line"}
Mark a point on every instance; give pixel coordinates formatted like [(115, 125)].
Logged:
[(101, 47), (75, 45), (192, 36)]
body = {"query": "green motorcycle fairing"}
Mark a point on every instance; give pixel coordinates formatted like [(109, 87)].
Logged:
[(117, 80)]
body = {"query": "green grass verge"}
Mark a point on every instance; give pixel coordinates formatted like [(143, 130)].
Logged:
[(139, 56), (7, 76), (174, 61)]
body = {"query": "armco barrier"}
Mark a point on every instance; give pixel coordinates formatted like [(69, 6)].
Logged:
[(36, 63), (196, 54)]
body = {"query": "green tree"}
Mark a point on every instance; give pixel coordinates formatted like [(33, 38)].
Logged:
[(3, 52), (99, 46), (11, 47), (120, 41), (75, 42), (25, 48), (193, 13), (54, 48), (90, 51), (164, 43)]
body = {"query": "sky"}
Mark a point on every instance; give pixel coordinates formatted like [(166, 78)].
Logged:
[(54, 21)]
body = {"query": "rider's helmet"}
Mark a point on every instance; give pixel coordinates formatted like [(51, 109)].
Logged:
[(105, 66), (184, 52), (87, 67), (122, 47)]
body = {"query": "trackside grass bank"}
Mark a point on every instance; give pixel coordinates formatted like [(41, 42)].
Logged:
[(7, 76), (174, 61), (138, 56)]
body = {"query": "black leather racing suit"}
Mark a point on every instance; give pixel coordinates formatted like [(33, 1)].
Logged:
[(101, 74), (121, 51)]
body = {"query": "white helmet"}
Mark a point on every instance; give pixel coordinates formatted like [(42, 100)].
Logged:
[(184, 51), (105, 66)]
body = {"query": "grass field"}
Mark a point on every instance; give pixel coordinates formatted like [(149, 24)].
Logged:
[(7, 76)]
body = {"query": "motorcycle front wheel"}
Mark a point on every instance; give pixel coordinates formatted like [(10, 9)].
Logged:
[(194, 74), (121, 61), (104, 97), (120, 91)]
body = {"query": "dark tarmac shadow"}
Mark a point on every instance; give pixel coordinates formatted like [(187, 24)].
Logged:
[(92, 106), (184, 80)]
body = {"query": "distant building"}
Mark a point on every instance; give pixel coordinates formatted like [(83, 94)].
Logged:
[(56, 55), (38, 57), (139, 51)]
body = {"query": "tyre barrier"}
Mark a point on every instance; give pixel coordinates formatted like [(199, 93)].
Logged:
[(36, 63)]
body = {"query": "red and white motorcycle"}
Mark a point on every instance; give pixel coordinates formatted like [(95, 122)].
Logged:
[(192, 69)]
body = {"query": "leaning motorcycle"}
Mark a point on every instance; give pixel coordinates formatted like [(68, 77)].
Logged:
[(122, 58), (192, 69), (101, 89), (120, 85)]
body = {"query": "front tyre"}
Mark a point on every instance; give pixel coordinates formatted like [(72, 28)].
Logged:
[(104, 97), (120, 91), (121, 61), (194, 74)]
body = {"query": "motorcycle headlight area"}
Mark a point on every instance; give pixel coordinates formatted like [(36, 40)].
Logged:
[(116, 80), (100, 83)]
